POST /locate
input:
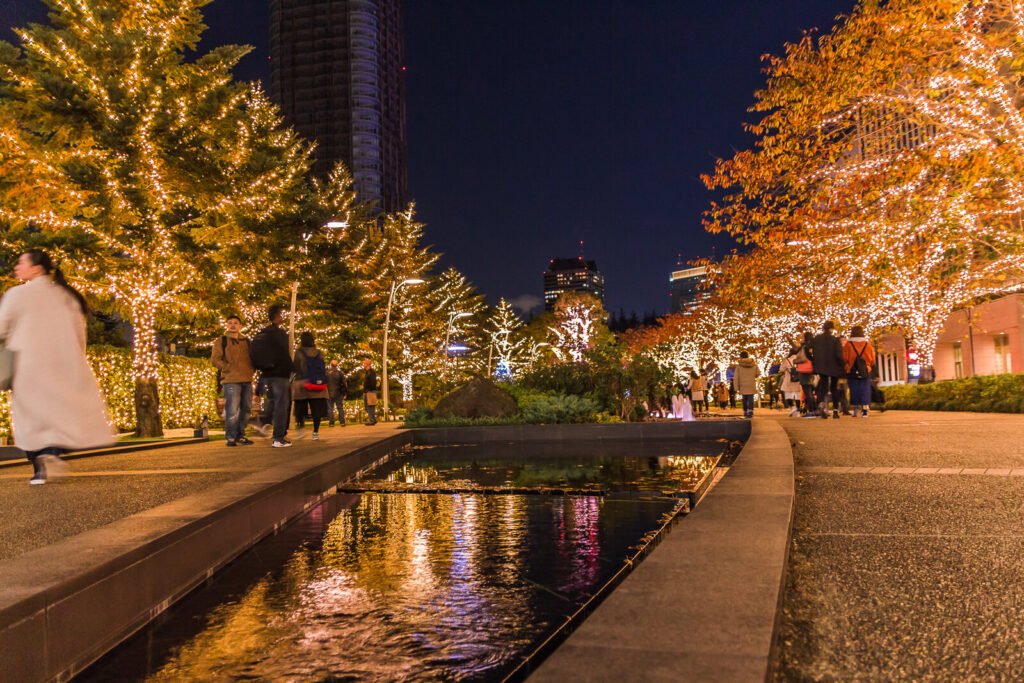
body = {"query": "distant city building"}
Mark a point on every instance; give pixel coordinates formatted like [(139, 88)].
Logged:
[(688, 288), (571, 275), (337, 73)]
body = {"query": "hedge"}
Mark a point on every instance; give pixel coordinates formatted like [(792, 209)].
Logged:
[(188, 389), (983, 394)]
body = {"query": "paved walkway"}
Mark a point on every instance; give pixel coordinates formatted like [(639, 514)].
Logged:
[(907, 543), (103, 489)]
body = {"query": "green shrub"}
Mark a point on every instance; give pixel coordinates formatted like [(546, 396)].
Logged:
[(561, 409), (985, 394)]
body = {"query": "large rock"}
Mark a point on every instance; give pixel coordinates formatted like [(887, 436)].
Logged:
[(479, 398)]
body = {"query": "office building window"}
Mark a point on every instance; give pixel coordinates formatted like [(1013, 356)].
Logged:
[(1004, 360), (958, 360)]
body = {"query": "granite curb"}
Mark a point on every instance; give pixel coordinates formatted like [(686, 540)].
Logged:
[(630, 431), (705, 604), (65, 605)]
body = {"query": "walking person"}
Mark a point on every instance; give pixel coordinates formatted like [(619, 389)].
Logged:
[(697, 389), (56, 405), (231, 356), (805, 368), (309, 388), (859, 357), (745, 380), (271, 357), (828, 366), (370, 392), (722, 395), (792, 390), (337, 390)]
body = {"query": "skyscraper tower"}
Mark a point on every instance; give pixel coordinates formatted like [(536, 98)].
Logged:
[(337, 72)]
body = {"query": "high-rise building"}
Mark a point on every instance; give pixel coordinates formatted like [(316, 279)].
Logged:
[(571, 275), (689, 288), (337, 72)]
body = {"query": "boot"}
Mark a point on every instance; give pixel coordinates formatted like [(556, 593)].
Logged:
[(823, 410)]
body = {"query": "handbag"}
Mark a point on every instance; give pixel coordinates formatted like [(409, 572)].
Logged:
[(6, 368), (371, 398), (806, 367)]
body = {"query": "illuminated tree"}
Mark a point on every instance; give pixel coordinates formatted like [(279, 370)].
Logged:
[(889, 159), (508, 343), (458, 308), (578, 324), (138, 159)]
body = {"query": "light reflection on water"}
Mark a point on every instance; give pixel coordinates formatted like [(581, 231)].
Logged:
[(395, 586)]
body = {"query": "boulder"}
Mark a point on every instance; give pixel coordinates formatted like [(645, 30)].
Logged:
[(479, 398)]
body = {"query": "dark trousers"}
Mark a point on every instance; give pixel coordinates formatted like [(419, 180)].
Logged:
[(316, 407), (336, 409), (33, 457), (278, 392), (748, 404), (828, 385)]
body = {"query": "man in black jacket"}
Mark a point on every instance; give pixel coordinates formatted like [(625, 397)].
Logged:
[(337, 391), (370, 392), (829, 366), (271, 357)]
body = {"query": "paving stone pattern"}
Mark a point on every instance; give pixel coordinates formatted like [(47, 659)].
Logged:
[(103, 489), (905, 562)]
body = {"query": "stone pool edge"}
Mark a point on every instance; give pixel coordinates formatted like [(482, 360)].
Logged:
[(704, 604), (64, 606)]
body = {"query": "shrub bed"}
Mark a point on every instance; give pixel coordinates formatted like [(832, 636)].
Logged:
[(985, 394)]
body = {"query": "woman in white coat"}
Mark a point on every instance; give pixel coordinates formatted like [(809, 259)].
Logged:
[(56, 404)]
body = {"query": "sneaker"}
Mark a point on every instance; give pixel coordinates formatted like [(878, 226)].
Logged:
[(231, 443), (281, 444), (245, 442), (300, 433), (316, 436), (794, 412), (835, 414), (37, 481), (864, 414)]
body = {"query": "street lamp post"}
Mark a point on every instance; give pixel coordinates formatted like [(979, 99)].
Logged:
[(452, 317), (395, 286)]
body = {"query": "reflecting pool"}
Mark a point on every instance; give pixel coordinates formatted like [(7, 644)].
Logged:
[(404, 586)]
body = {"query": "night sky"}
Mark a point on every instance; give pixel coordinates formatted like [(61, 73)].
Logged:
[(536, 124)]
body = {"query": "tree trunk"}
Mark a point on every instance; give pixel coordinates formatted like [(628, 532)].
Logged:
[(147, 409), (145, 368)]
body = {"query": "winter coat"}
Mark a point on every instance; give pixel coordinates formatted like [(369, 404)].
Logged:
[(828, 355), (278, 340), (788, 385), (232, 359), (370, 381), (55, 401), (858, 345), (745, 377), (299, 390), (336, 385)]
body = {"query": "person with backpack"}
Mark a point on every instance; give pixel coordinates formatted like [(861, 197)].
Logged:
[(337, 392), (309, 388), (231, 356), (745, 380), (270, 355), (859, 358)]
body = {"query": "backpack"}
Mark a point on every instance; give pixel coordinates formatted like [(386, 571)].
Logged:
[(261, 351), (859, 369), (316, 373)]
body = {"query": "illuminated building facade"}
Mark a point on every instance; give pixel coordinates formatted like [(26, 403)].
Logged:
[(337, 72), (688, 288), (571, 275)]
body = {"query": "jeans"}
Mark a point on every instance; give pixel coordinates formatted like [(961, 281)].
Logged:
[(315, 407), (748, 404), (336, 409), (237, 404), (828, 385), (279, 393), (371, 410)]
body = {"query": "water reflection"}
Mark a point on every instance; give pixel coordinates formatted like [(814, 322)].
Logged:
[(394, 587)]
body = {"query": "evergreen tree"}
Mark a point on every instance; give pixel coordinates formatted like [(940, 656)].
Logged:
[(508, 344), (142, 160)]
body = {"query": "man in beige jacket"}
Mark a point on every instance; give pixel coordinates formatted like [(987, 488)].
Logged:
[(230, 355)]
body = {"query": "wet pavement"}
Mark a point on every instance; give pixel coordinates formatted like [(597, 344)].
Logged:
[(907, 566), (103, 489)]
